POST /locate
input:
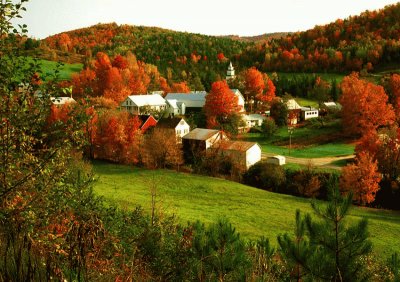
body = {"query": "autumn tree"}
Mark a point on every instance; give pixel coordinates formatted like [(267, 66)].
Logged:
[(320, 91), (117, 137), (180, 87), (221, 104), (160, 149), (361, 178), (361, 101)]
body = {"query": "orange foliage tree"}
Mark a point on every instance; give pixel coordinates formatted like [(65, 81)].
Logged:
[(180, 87), (117, 137), (394, 88), (365, 106), (116, 79), (258, 86), (361, 178), (220, 103)]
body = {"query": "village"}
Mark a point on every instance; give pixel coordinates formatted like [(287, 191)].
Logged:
[(170, 113)]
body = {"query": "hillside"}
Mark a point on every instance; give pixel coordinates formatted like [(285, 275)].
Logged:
[(172, 52), (253, 212), (370, 40)]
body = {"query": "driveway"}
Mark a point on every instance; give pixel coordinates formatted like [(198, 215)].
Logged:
[(325, 162)]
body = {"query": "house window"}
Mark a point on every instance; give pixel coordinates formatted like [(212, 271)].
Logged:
[(178, 132)]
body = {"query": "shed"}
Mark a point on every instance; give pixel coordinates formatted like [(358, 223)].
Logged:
[(308, 113), (277, 160), (147, 121)]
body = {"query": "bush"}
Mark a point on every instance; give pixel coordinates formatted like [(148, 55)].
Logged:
[(265, 176), (268, 128)]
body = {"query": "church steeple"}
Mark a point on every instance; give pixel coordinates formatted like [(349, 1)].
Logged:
[(230, 74)]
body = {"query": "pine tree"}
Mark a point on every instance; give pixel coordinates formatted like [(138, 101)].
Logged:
[(337, 246)]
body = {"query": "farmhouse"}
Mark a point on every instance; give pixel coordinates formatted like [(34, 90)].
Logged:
[(243, 154), (253, 120), (178, 126), (197, 141), (147, 121), (144, 104), (182, 103)]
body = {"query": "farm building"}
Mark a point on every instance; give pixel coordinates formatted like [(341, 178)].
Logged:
[(277, 160), (240, 99), (178, 126), (197, 141), (181, 103), (241, 153), (308, 112), (147, 121), (253, 120), (144, 104)]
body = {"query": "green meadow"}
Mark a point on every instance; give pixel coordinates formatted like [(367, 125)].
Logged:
[(253, 212)]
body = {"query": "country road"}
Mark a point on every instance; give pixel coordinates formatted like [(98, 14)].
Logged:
[(325, 162)]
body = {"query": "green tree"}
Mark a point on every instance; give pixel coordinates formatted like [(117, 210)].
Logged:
[(279, 112), (268, 128), (338, 245)]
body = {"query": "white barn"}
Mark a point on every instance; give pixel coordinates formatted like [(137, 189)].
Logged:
[(141, 104), (179, 103), (253, 120)]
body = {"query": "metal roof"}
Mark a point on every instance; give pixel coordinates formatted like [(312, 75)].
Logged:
[(147, 100), (229, 145), (201, 134), (191, 100)]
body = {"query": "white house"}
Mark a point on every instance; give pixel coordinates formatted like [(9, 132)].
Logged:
[(141, 104), (253, 120), (292, 104), (62, 100), (240, 99), (178, 125), (180, 103), (308, 112), (243, 154)]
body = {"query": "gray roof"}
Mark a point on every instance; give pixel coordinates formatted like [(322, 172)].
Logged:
[(196, 100), (201, 134)]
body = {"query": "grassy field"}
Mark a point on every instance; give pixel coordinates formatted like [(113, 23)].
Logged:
[(66, 70), (307, 142), (253, 212)]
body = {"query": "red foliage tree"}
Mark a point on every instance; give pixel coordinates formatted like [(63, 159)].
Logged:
[(220, 103), (365, 106), (362, 178)]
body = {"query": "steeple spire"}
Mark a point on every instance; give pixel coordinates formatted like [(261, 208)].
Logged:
[(230, 74)]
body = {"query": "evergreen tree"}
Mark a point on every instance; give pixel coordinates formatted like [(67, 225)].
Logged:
[(337, 246)]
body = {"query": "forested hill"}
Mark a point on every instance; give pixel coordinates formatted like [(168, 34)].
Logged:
[(174, 53), (370, 40)]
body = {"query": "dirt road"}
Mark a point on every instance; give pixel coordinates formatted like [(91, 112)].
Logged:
[(326, 162)]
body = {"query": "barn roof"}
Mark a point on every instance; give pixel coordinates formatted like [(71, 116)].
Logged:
[(201, 134), (147, 100), (230, 145), (169, 122), (191, 100)]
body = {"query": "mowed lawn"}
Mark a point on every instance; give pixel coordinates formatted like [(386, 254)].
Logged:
[(253, 212)]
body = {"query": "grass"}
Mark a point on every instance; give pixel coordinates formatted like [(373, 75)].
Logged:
[(253, 212), (307, 142), (66, 70)]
